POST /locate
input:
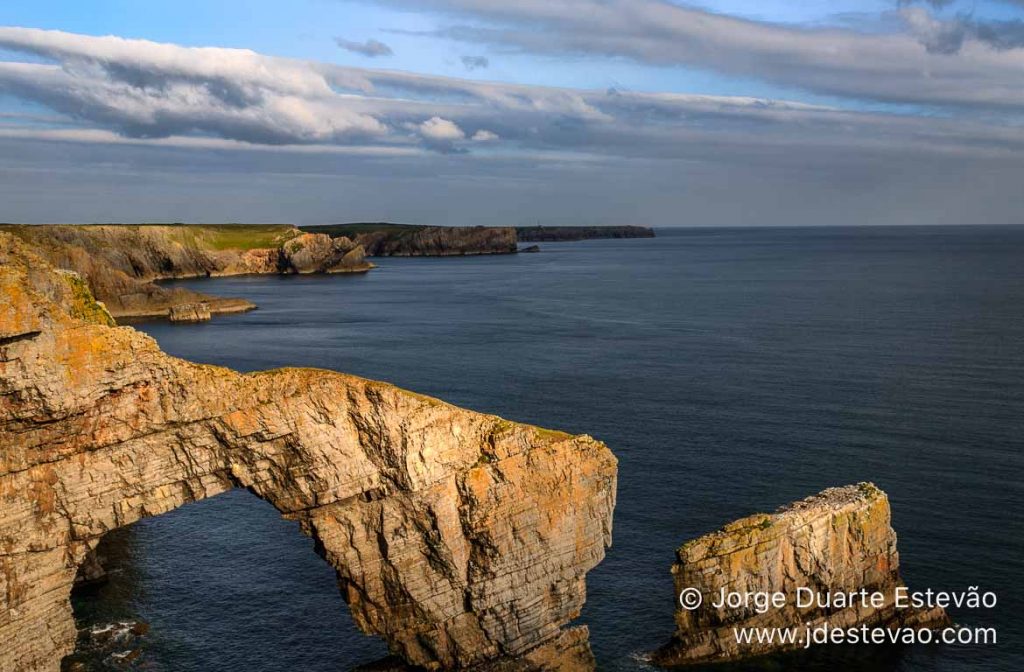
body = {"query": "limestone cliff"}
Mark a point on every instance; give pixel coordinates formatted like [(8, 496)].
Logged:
[(121, 262), (411, 240), (552, 234), (839, 540), (461, 538)]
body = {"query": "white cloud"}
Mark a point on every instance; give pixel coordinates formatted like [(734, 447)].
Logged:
[(441, 130), (484, 135), (146, 91), (932, 62)]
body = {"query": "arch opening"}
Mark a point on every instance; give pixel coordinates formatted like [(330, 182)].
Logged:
[(222, 583)]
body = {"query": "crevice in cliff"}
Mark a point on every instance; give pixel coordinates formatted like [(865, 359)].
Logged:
[(7, 340)]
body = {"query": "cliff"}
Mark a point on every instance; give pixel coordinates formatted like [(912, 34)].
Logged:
[(461, 538), (384, 239), (408, 240), (839, 540), (551, 234), (121, 262)]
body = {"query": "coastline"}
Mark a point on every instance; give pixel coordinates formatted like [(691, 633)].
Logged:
[(123, 264)]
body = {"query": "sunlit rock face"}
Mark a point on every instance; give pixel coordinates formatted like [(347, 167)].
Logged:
[(811, 553), (120, 263), (461, 538)]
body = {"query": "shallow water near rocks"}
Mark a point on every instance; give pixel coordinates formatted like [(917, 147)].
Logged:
[(730, 370)]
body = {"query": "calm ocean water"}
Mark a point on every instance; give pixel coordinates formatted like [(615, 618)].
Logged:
[(731, 371)]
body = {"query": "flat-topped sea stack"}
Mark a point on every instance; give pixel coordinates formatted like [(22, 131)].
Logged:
[(839, 541), (460, 538), (190, 312)]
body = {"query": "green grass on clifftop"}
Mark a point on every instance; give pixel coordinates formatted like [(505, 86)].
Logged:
[(234, 236), (201, 236)]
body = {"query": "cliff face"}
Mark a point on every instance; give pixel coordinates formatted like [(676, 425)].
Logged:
[(839, 540), (550, 234), (461, 538), (383, 239), (121, 262), (439, 241)]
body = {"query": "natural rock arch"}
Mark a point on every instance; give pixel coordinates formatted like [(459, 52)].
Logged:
[(225, 583), (459, 537)]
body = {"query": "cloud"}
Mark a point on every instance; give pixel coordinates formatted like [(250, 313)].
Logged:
[(938, 37), (147, 130), (442, 130), (483, 135), (370, 48), (215, 98), (912, 66), (147, 89), (474, 62), (947, 36)]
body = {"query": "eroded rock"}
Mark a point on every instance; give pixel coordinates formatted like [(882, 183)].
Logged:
[(120, 263), (839, 540), (461, 538), (190, 312)]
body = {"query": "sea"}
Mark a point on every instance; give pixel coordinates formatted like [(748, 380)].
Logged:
[(731, 370)]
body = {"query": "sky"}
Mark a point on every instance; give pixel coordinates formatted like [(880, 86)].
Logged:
[(464, 112)]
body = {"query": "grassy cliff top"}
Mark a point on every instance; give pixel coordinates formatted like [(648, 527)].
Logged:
[(203, 236)]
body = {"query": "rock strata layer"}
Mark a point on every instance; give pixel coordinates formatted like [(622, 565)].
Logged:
[(439, 241), (190, 312), (461, 538), (385, 239), (838, 541)]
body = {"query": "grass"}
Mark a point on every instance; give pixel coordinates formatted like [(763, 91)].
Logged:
[(83, 305), (202, 236), (234, 236)]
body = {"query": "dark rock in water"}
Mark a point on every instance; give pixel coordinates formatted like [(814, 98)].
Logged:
[(550, 234), (109, 646), (125, 658), (531, 248), (91, 571), (838, 541)]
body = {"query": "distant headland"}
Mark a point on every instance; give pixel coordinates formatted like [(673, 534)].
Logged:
[(122, 263), (390, 232)]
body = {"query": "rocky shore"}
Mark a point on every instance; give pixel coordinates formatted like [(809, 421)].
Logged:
[(838, 542), (460, 538), (121, 263)]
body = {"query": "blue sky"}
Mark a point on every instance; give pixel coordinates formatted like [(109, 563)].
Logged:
[(908, 98), (307, 28)]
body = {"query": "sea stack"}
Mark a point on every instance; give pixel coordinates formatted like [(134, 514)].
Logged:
[(190, 312), (838, 541)]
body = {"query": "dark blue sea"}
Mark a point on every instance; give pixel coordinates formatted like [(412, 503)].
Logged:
[(730, 370)]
